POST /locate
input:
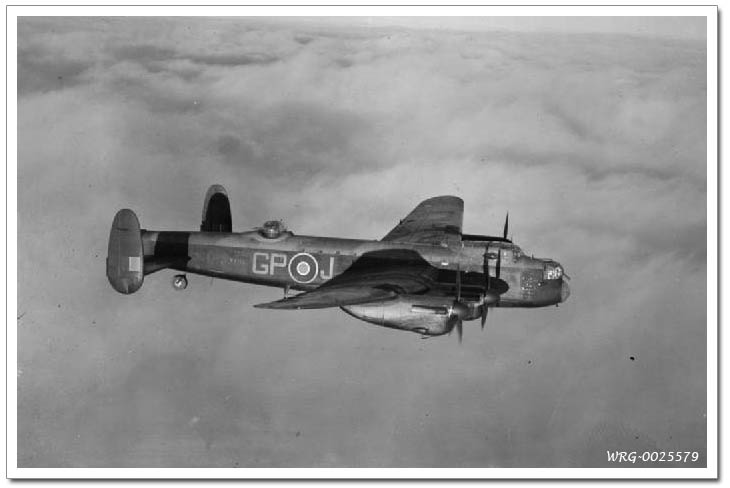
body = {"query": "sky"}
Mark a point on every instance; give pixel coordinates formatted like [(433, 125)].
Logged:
[(594, 142)]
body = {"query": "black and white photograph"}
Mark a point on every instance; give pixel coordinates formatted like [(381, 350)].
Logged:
[(390, 240)]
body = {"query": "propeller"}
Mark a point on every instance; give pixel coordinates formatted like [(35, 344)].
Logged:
[(487, 284), (455, 322), (458, 309), (457, 303), (499, 253), (487, 274), (499, 262)]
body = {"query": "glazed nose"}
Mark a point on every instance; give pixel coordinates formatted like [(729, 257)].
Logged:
[(564, 292)]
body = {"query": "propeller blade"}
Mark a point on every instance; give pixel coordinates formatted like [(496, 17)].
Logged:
[(506, 226), (499, 261), (457, 302), (485, 311), (456, 323), (487, 283)]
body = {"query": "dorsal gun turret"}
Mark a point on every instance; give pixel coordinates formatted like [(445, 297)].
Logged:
[(272, 229)]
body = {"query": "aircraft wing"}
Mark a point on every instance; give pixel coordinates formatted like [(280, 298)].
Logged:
[(374, 277), (434, 221)]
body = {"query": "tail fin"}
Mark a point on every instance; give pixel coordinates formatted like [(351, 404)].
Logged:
[(125, 258), (216, 211)]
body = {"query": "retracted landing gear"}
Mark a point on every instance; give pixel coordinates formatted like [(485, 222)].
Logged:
[(179, 282)]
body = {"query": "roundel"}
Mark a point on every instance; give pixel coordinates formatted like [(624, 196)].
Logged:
[(303, 268)]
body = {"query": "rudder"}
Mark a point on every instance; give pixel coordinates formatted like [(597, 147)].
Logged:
[(125, 257), (216, 211)]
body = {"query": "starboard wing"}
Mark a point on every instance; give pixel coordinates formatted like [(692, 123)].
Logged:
[(375, 277), (437, 221)]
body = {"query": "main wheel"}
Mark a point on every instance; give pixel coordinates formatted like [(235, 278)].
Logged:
[(179, 282)]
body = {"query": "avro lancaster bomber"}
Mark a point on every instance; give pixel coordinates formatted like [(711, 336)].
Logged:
[(424, 276)]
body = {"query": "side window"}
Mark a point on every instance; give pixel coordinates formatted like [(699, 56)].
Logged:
[(506, 253)]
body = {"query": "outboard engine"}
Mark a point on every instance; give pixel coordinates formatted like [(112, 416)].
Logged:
[(424, 315)]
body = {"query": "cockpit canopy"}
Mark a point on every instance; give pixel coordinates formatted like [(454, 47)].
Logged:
[(494, 246), (272, 229)]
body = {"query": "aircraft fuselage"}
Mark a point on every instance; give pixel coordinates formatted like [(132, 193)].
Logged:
[(306, 262)]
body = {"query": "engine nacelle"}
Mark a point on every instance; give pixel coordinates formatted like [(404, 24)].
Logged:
[(423, 315)]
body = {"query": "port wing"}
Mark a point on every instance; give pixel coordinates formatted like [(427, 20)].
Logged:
[(437, 221)]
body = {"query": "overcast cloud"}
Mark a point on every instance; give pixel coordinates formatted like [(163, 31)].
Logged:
[(594, 143)]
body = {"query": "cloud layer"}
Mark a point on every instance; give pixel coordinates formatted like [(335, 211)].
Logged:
[(595, 144)]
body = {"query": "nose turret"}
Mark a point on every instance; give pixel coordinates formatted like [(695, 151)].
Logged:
[(564, 292), (554, 282)]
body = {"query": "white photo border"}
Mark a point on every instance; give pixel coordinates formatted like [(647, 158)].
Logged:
[(710, 472)]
